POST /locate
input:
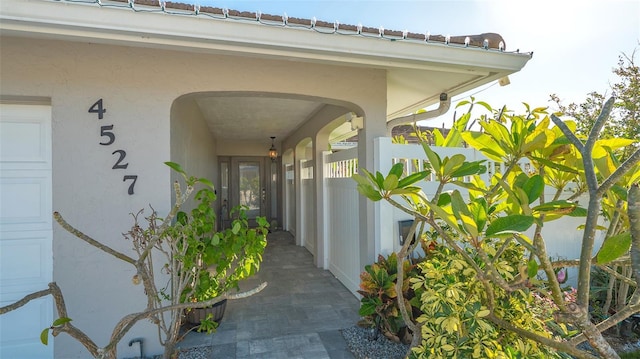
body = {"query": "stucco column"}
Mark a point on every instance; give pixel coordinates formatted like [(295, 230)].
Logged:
[(370, 223)]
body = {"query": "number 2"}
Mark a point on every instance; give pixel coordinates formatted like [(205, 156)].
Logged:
[(119, 164), (97, 108)]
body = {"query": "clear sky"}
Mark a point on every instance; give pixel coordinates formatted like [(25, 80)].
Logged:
[(575, 44)]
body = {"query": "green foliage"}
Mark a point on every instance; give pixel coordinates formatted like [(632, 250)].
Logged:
[(217, 260), (224, 257), (208, 325), (379, 306), (44, 335), (479, 293), (455, 309)]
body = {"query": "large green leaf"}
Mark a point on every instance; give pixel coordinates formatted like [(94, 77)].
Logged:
[(391, 182), (533, 187), (360, 179), (397, 170), (532, 268), (61, 321), (452, 163), (412, 178), (176, 167), (484, 144), (369, 192), (470, 168), (560, 206), (554, 164), (509, 224), (614, 247), (44, 336), (433, 157), (444, 215)]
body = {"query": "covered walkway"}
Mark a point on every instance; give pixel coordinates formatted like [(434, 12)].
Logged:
[(298, 315)]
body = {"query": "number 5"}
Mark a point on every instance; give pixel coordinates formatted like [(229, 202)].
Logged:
[(105, 131)]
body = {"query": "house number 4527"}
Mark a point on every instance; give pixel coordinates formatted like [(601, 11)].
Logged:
[(108, 137)]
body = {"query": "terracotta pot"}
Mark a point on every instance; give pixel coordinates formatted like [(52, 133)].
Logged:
[(196, 316)]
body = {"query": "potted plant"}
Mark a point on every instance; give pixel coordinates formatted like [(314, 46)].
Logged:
[(215, 260)]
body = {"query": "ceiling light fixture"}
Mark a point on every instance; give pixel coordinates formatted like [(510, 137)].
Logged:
[(273, 152)]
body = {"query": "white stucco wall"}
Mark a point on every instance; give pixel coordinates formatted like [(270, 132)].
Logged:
[(138, 87), (193, 146)]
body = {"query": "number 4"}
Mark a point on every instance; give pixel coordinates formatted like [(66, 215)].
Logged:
[(97, 108), (134, 178)]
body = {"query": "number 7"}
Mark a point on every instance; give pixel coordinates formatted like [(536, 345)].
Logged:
[(130, 177)]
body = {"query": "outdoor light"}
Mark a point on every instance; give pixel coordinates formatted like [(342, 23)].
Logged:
[(273, 153)]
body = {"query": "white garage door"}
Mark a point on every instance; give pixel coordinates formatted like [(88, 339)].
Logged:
[(26, 261)]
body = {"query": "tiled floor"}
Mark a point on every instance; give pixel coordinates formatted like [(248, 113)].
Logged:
[(298, 315)]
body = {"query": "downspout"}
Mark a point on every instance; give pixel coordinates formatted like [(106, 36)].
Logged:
[(445, 103)]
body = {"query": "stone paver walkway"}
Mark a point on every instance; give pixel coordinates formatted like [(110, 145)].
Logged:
[(298, 315)]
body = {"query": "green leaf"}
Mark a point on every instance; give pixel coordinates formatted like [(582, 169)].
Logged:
[(44, 336), (532, 268), (407, 190), (555, 165), (369, 192), (485, 144), (444, 199), (397, 170), (360, 179), (206, 182), (619, 191), (533, 187), (479, 212), (176, 167), (61, 321), (412, 178), (391, 182), (452, 164), (443, 215), (433, 157), (560, 207), (470, 168), (614, 247), (379, 180), (578, 212), (236, 228), (509, 224)]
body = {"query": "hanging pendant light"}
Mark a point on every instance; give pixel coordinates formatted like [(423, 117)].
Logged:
[(273, 152)]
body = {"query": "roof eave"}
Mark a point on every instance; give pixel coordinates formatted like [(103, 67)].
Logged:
[(118, 26)]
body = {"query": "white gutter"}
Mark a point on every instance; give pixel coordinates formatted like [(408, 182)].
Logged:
[(445, 103)]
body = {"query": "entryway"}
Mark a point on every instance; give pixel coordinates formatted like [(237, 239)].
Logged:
[(248, 181), (298, 315)]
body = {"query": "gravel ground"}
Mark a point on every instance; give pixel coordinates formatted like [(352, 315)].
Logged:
[(364, 345)]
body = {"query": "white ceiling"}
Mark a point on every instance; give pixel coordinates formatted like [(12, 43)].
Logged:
[(254, 118)]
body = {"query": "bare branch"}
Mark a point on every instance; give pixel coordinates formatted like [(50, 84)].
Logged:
[(567, 132), (58, 217), (624, 168), (598, 124)]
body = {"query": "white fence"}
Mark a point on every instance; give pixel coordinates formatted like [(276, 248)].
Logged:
[(341, 206), (562, 236)]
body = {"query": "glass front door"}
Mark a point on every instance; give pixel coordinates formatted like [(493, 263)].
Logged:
[(247, 186)]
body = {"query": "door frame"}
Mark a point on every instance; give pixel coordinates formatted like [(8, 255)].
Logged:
[(233, 163)]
